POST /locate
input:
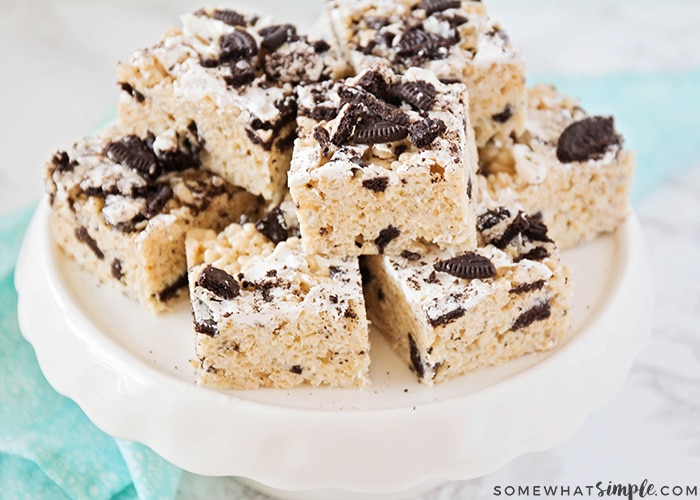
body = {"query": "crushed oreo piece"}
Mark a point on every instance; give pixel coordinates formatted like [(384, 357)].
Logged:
[(219, 282), (447, 318), (419, 43), (375, 108), (157, 199), (504, 115), (207, 327), (275, 36), (410, 256), (433, 6), (242, 73), (385, 237), (527, 287), (379, 132), (83, 236), (62, 162), (237, 45), (489, 219), (129, 89), (230, 17), (296, 369), (424, 132), (209, 63), (537, 229), (134, 153), (469, 266), (376, 184), (416, 359), (320, 46), (346, 127), (518, 226), (419, 94), (172, 289), (536, 254), (374, 83), (536, 313), (273, 226), (587, 139), (323, 137), (117, 272)]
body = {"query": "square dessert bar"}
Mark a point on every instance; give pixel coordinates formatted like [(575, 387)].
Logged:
[(382, 160), (269, 315), (233, 76), (568, 166), (121, 205), (447, 315), (455, 39)]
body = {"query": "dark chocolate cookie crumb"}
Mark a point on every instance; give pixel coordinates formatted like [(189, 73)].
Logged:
[(424, 132), (432, 6), (117, 271), (230, 17), (587, 139), (62, 162), (379, 132), (296, 369), (347, 124), (206, 327), (320, 46), (527, 287), (385, 237), (489, 219), (537, 229), (416, 359), (323, 137), (376, 184), (504, 115), (129, 89), (374, 83), (157, 199), (469, 266), (83, 236), (410, 256), (237, 45), (518, 225), (419, 43), (173, 289), (536, 254), (219, 282), (273, 226), (133, 152), (275, 36), (536, 313), (242, 73), (447, 318), (419, 94)]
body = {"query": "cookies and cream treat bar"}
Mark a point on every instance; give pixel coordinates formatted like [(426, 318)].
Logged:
[(233, 75), (447, 315), (381, 160), (269, 315), (121, 205), (454, 38), (568, 166)]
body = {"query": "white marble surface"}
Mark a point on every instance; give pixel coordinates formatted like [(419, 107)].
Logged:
[(56, 83)]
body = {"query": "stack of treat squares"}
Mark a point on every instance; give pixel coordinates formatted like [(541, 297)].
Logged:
[(399, 173)]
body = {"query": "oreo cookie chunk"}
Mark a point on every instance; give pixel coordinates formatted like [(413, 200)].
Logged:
[(569, 167), (121, 204), (267, 314), (446, 315), (233, 74), (455, 39), (369, 147)]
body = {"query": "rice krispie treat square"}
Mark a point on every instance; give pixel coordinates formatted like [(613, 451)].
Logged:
[(455, 39), (269, 315), (233, 76), (568, 166), (447, 315), (383, 160), (121, 205)]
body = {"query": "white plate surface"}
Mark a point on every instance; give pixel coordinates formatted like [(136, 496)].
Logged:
[(129, 370)]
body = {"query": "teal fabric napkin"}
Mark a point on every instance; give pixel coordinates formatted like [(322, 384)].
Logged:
[(49, 449)]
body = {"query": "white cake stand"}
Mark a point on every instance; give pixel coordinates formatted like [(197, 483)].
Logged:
[(129, 370)]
